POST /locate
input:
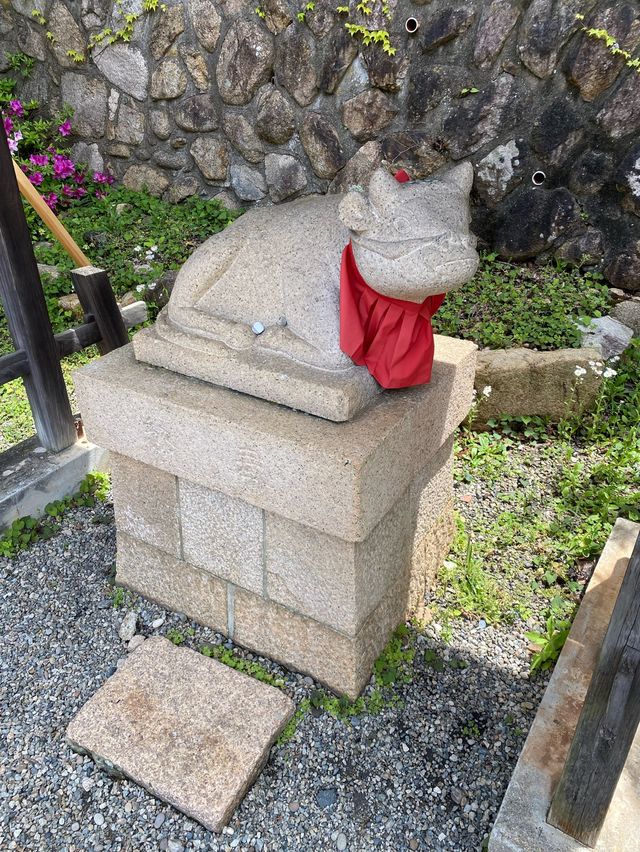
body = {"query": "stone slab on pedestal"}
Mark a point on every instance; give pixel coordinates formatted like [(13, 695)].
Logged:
[(337, 395), (190, 730), (303, 539)]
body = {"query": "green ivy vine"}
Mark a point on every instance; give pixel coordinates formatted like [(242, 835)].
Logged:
[(611, 43)]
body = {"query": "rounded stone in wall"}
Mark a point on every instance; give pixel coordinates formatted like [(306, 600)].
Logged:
[(285, 176), (595, 68), (197, 114), (169, 80), (322, 146), (245, 61), (338, 54), (413, 150), (295, 65), (182, 188), (124, 66), (166, 29), (620, 115), (533, 219), (140, 177), (247, 183), (275, 120), (278, 14), (368, 113), (623, 264), (243, 137), (385, 72), (212, 157), (206, 22), (160, 123), (497, 21), (359, 169)]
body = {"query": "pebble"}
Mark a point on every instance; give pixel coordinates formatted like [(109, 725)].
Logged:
[(158, 821), (135, 642), (341, 842), (175, 846), (98, 819), (128, 626), (157, 622), (326, 796)]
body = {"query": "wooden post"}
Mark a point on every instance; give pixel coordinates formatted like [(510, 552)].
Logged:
[(608, 722), (27, 317), (99, 303)]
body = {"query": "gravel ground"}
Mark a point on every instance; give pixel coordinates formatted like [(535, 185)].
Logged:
[(428, 772)]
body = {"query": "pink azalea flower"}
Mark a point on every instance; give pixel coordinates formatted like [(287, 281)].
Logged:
[(39, 159), (79, 177), (51, 200), (16, 108), (13, 142), (100, 193), (63, 167), (8, 125), (65, 128), (36, 178), (101, 177)]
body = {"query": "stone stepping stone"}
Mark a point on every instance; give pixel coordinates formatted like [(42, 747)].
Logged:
[(190, 730)]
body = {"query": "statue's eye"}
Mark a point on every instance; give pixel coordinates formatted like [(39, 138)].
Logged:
[(402, 226)]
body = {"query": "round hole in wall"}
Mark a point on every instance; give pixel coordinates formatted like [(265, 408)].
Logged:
[(538, 178), (411, 25)]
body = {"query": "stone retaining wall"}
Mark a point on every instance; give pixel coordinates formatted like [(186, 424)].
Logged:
[(208, 96)]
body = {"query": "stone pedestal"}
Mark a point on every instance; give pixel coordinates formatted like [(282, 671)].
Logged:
[(304, 540)]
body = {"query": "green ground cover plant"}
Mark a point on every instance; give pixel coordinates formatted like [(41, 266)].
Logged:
[(529, 555), (25, 531), (508, 305)]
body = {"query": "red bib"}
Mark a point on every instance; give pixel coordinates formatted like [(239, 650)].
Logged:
[(392, 338)]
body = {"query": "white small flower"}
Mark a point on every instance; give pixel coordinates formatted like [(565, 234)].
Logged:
[(140, 288), (153, 285), (614, 359), (609, 373), (579, 372), (137, 249), (486, 390), (154, 248)]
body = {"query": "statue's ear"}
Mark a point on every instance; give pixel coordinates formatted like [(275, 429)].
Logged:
[(383, 188), (355, 213), (460, 176)]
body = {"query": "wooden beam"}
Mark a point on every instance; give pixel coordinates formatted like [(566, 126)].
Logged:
[(608, 721), (26, 310), (49, 218), (99, 303), (15, 365)]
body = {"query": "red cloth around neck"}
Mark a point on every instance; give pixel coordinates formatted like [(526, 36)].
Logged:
[(392, 338)]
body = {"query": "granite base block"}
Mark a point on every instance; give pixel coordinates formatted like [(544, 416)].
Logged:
[(304, 540)]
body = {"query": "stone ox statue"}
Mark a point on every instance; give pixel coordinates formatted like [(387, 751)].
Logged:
[(256, 307)]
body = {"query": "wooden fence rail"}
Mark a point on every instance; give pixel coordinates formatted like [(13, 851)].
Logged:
[(608, 722), (38, 351)]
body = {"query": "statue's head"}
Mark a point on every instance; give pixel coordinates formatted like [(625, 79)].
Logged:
[(412, 240)]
